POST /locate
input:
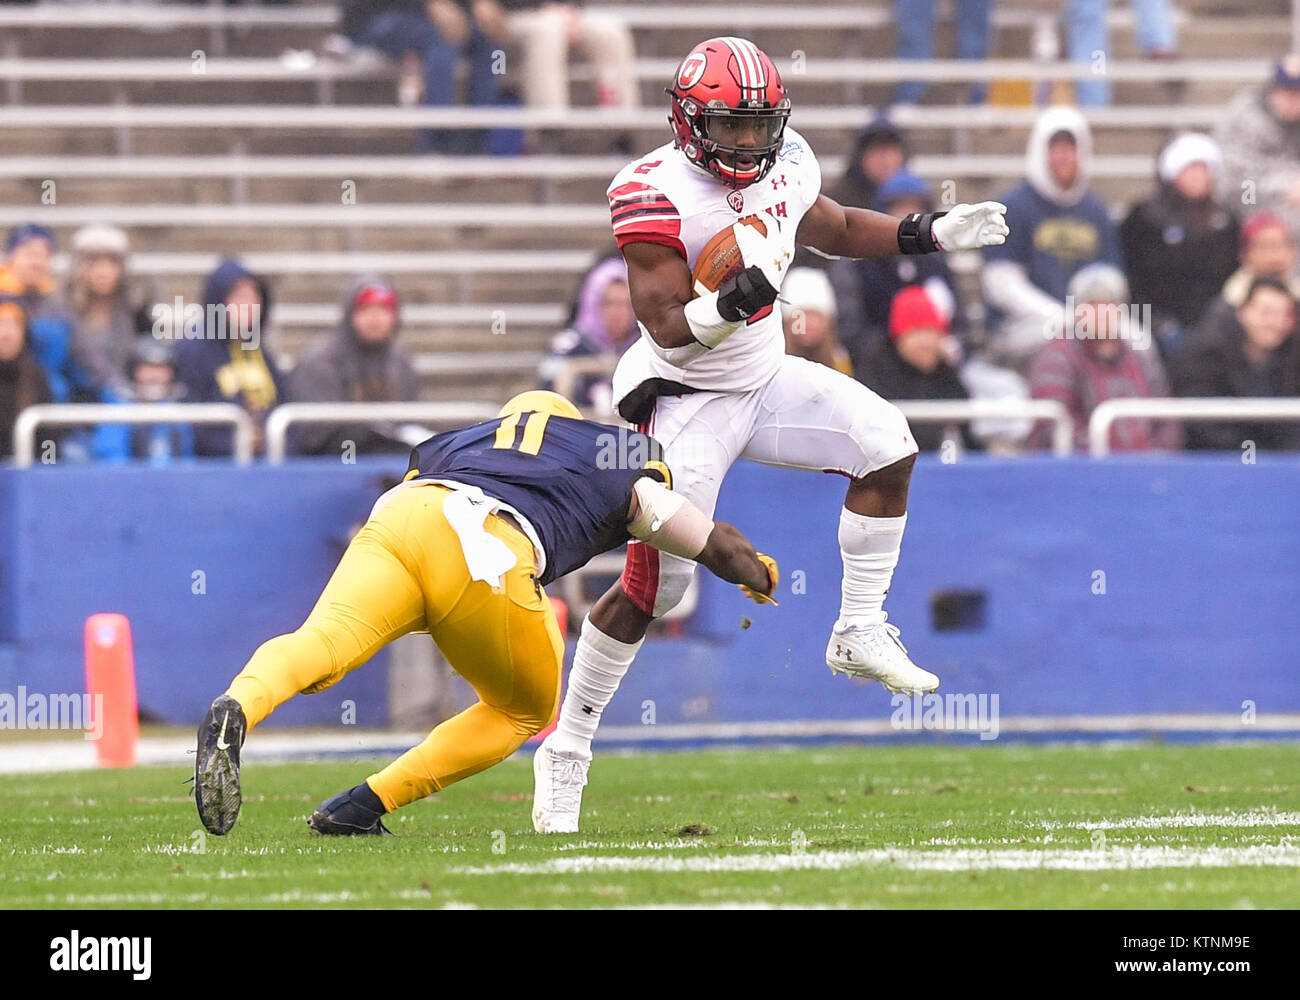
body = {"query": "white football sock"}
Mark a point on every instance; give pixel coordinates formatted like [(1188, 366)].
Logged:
[(869, 547), (598, 667)]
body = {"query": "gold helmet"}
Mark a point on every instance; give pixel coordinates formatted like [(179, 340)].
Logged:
[(540, 401)]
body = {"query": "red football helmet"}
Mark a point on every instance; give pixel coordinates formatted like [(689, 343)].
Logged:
[(728, 98)]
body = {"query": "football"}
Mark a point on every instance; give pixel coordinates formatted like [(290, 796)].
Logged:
[(720, 258)]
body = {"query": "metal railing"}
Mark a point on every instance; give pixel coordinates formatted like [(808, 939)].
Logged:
[(942, 411), (1251, 408), (78, 414), (452, 414), (444, 414)]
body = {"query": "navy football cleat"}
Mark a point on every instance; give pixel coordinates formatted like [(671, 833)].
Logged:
[(356, 811), (216, 765)]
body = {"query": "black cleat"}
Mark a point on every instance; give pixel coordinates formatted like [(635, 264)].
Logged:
[(216, 765), (356, 811)]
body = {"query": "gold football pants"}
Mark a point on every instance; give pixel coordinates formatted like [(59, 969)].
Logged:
[(405, 572)]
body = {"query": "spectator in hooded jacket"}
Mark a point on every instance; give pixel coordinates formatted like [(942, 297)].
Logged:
[(1260, 138), (916, 363), (1104, 354), (866, 288), (1180, 244), (808, 313), (106, 311), (1252, 351), (22, 379), (360, 363), (1057, 228), (223, 355), (603, 326)]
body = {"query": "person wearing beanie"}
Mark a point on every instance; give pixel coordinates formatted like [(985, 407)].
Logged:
[(865, 288), (360, 363), (1266, 249), (916, 362), (1058, 226), (808, 313), (1259, 134), (1102, 353), (107, 312), (1181, 242), (22, 379)]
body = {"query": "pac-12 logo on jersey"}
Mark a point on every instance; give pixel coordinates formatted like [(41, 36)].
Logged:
[(736, 200)]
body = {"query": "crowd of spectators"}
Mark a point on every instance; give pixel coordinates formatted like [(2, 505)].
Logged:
[(1191, 290), (102, 338)]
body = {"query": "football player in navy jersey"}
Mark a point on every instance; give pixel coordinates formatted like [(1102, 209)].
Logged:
[(461, 549)]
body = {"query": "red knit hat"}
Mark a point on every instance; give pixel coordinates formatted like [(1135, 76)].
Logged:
[(1259, 221), (913, 309)]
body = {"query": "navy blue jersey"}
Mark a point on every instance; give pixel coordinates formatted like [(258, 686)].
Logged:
[(571, 478)]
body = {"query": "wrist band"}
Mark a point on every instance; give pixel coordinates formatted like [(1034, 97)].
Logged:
[(914, 234)]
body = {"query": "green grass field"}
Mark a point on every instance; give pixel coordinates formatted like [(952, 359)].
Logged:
[(917, 826)]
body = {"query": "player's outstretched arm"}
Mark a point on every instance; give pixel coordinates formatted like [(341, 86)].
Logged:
[(671, 523), (857, 232), (732, 557)]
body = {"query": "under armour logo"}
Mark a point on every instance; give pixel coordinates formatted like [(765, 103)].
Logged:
[(842, 654), (778, 182), (587, 709)]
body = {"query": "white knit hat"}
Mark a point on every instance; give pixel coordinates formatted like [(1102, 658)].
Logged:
[(1186, 149), (809, 290), (97, 238)]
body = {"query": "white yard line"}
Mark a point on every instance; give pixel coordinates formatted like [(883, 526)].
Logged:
[(1109, 859), (1252, 817)]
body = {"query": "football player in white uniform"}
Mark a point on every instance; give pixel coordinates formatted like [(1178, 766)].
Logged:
[(711, 381)]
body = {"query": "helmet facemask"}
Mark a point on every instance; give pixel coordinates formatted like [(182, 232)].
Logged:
[(749, 139)]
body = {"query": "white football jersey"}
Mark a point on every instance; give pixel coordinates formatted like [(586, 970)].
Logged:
[(663, 198)]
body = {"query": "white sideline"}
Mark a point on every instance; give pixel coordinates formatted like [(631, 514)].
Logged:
[(74, 754)]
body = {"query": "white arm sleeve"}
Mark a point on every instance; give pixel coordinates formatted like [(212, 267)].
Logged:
[(1007, 287), (668, 521)]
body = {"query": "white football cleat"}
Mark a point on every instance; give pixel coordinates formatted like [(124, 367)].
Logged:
[(875, 653), (558, 780)]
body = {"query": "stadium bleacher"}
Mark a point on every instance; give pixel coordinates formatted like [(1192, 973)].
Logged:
[(204, 129)]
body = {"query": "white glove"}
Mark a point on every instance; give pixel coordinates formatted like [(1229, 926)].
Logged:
[(769, 253), (969, 227)]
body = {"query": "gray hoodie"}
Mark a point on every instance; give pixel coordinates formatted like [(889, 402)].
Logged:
[(340, 368)]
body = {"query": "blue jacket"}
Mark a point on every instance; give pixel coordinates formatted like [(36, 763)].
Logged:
[(205, 357)]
